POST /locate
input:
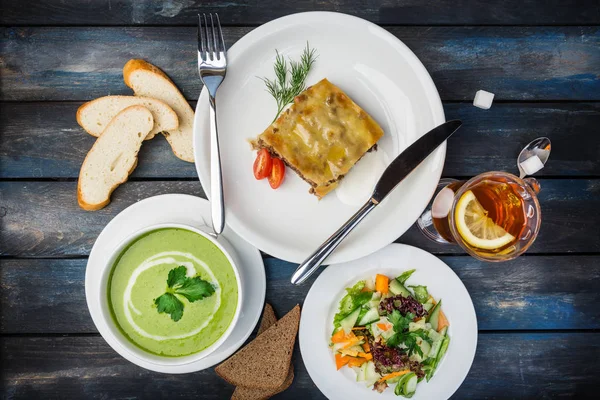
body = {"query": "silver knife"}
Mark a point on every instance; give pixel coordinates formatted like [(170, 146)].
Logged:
[(399, 169)]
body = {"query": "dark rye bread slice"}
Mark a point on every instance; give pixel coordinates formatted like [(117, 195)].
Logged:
[(242, 393), (264, 362), (268, 319)]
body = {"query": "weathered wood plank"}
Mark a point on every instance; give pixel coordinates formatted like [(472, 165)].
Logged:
[(42, 140), (247, 12), (516, 63), (42, 219), (60, 228), (524, 365), (47, 296)]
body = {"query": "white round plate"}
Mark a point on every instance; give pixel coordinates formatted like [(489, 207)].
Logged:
[(322, 302), (195, 212), (379, 73)]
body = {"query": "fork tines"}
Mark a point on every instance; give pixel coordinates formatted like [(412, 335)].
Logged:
[(211, 45)]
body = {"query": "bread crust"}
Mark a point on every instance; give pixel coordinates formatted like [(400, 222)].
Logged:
[(82, 108), (94, 207), (137, 64), (276, 378)]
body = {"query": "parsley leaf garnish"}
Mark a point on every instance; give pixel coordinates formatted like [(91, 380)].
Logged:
[(168, 303), (177, 276), (402, 336), (178, 283), (195, 289)]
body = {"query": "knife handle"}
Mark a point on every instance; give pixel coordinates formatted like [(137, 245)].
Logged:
[(314, 261)]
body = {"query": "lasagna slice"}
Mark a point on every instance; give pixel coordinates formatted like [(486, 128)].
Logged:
[(321, 136)]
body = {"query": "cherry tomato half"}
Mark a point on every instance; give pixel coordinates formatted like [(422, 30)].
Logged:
[(277, 173), (263, 164)]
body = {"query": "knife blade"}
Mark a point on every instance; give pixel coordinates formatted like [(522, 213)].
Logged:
[(399, 169), (410, 158)]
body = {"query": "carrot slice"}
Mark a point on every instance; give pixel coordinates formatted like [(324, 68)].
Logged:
[(442, 321), (368, 356), (382, 326), (393, 375), (356, 361), (340, 360), (366, 347), (341, 336), (352, 342), (382, 283)]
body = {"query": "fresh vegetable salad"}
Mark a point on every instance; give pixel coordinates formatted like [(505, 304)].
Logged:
[(390, 333)]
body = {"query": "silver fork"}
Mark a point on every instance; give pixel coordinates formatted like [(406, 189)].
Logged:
[(212, 65)]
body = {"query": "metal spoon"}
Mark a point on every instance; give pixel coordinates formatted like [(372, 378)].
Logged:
[(540, 147)]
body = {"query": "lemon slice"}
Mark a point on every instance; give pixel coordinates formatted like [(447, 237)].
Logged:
[(475, 227)]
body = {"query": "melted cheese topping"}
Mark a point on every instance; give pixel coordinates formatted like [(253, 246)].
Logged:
[(322, 135)]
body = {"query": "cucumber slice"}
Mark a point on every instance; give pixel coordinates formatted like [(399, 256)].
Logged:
[(363, 310), (428, 306), (415, 326), (397, 288), (410, 384), (435, 349), (434, 336), (425, 348), (363, 372), (348, 323), (371, 316), (358, 372), (371, 376), (444, 331), (399, 389), (434, 315), (420, 293), (374, 300), (443, 348), (399, 386)]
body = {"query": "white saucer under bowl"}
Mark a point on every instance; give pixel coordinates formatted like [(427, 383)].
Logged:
[(191, 211)]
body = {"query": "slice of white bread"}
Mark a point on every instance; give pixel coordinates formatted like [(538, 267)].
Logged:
[(95, 115), (113, 157), (147, 80)]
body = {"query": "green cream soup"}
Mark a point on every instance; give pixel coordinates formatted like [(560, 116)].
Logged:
[(140, 276)]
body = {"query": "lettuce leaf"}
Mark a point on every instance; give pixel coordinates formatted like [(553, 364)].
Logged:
[(354, 298)]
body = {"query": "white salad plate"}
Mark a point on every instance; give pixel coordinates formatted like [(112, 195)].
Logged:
[(185, 210), (322, 302), (381, 74)]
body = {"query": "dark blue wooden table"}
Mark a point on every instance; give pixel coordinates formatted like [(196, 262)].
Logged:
[(539, 316)]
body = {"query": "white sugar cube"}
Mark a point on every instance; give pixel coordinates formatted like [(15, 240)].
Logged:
[(483, 99), (532, 165)]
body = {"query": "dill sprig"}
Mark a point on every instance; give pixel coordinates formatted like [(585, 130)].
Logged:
[(289, 80)]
